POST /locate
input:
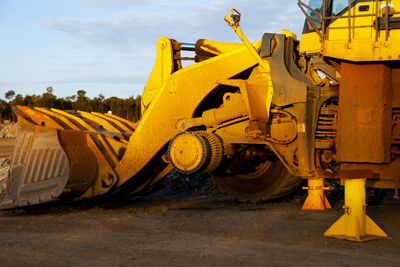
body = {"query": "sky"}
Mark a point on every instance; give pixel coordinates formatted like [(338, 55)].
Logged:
[(108, 46)]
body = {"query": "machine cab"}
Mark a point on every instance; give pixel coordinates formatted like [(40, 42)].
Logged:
[(355, 30)]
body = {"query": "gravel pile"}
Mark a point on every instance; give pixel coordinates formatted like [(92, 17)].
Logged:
[(4, 169), (8, 129), (179, 184)]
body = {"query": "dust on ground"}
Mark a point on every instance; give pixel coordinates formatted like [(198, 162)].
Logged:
[(189, 223)]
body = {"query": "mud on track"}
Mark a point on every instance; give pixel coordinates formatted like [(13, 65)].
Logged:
[(181, 227)]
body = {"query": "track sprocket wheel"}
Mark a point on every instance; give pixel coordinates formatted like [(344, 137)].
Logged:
[(270, 180)]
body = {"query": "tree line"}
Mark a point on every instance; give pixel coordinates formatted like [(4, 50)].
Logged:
[(126, 108)]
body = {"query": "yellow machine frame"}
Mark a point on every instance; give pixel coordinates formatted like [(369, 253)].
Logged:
[(257, 116)]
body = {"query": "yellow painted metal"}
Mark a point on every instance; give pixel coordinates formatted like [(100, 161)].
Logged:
[(217, 48), (255, 94), (316, 199), (40, 118), (355, 38), (105, 156), (172, 96), (121, 126), (111, 148), (175, 103), (83, 125), (233, 107), (234, 23), (92, 155), (310, 43), (39, 166), (216, 152), (106, 176), (362, 45), (289, 34), (118, 145), (261, 76), (103, 122), (163, 68), (128, 123), (58, 116), (355, 225), (187, 152)]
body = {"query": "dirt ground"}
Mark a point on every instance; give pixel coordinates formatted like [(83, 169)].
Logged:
[(190, 225), (186, 223)]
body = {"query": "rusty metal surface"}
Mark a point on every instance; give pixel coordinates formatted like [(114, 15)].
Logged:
[(355, 174), (365, 113), (325, 133), (396, 134), (6, 147), (287, 89), (396, 87)]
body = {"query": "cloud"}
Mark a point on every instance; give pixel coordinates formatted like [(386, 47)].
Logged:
[(120, 31), (113, 3), (100, 77), (185, 21), (113, 42)]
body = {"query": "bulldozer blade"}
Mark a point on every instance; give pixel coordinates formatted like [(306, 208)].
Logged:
[(39, 167), (67, 155)]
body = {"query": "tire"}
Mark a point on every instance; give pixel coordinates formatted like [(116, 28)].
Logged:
[(270, 180)]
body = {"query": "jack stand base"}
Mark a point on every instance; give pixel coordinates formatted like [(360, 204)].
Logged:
[(355, 225), (316, 199), (338, 230)]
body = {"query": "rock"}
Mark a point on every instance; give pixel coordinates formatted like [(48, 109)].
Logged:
[(8, 129), (4, 170)]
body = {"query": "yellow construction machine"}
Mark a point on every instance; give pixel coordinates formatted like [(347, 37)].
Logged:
[(258, 117)]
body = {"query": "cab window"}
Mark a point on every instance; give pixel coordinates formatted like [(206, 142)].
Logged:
[(317, 6), (333, 8), (339, 5)]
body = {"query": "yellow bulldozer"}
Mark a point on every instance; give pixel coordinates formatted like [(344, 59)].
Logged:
[(258, 117)]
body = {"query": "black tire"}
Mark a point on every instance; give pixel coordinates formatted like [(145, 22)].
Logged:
[(270, 180)]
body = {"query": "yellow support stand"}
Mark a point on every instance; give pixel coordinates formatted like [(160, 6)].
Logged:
[(316, 199), (355, 225)]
